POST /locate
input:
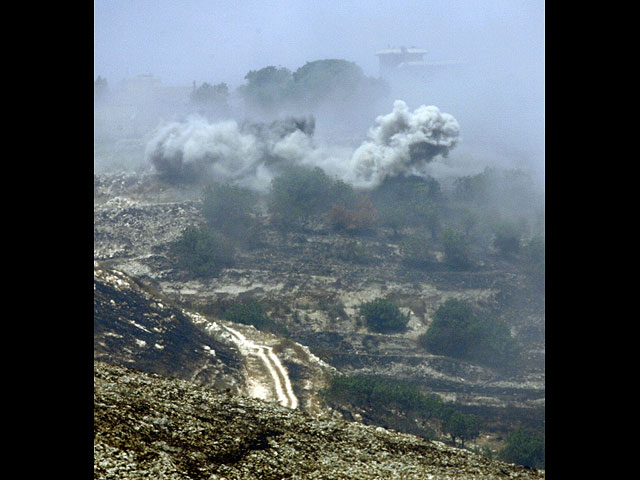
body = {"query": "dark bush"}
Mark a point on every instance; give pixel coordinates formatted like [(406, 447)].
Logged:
[(401, 405), (456, 249), (449, 332), (228, 209), (525, 448), (202, 252), (253, 313), (381, 391), (353, 252), (301, 194), (408, 202), (383, 316), (457, 331), (506, 238)]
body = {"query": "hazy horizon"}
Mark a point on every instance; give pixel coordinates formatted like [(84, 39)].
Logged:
[(496, 93)]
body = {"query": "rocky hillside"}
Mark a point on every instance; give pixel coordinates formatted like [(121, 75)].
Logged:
[(149, 426), (138, 327), (311, 283)]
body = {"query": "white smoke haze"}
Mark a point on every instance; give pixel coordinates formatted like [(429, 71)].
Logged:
[(402, 142), (489, 71)]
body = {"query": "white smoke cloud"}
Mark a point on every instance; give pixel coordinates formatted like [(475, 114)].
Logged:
[(401, 142)]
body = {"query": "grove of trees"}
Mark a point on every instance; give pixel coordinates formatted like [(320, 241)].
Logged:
[(415, 412), (330, 81)]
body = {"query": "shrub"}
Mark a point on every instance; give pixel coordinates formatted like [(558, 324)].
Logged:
[(227, 209), (458, 332), (359, 220), (415, 251), (402, 405), (382, 391), (300, 194), (408, 201), (383, 316), (202, 252), (353, 252), (456, 249), (253, 313), (506, 238), (449, 332), (525, 448)]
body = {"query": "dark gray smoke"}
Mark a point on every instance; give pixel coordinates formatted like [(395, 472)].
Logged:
[(194, 150)]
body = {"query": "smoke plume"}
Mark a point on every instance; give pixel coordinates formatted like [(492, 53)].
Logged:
[(251, 154)]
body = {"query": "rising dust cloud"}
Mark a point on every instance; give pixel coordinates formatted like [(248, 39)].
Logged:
[(483, 105), (402, 142)]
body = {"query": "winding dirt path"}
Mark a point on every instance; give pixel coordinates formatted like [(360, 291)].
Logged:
[(278, 374), (267, 377)]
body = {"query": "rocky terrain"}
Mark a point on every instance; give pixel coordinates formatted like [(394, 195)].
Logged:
[(137, 327), (149, 426), (307, 284)]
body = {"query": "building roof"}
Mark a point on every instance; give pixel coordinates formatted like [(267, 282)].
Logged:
[(400, 51)]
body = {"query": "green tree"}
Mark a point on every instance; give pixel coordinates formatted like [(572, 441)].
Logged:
[(408, 202), (320, 79), (449, 333), (456, 249), (300, 194), (383, 316), (473, 188), (267, 88), (457, 331), (215, 97), (459, 426), (335, 83), (525, 448), (202, 252)]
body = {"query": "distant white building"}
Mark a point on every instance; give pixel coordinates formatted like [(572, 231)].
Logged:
[(403, 60), (393, 58)]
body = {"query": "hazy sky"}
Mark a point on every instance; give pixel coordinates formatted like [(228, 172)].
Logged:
[(221, 40), (500, 95)]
